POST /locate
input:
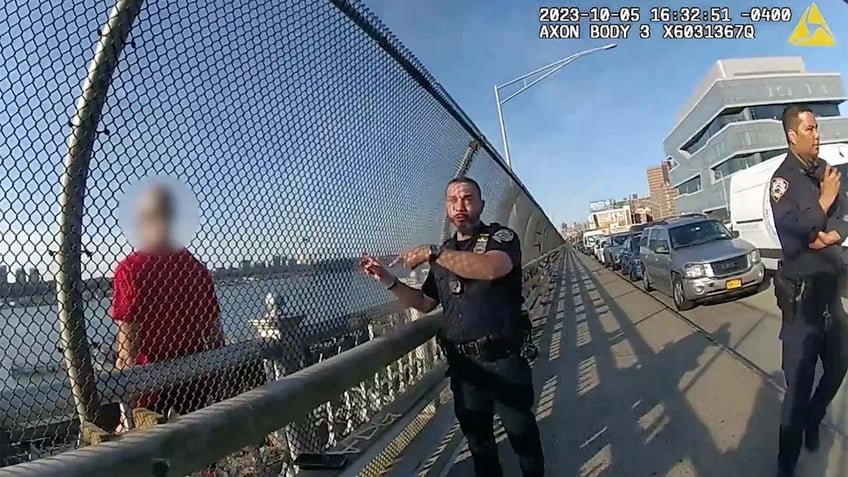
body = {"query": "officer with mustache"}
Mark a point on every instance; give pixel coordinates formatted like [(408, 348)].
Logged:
[(476, 276)]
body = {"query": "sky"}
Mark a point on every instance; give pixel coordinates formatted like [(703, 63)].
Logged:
[(299, 136), (589, 131), (295, 132)]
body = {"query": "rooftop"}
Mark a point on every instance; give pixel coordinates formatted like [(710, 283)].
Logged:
[(734, 68)]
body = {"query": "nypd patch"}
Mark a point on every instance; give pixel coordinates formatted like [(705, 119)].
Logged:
[(504, 236), (779, 186)]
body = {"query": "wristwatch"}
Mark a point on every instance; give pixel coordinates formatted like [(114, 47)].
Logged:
[(435, 251)]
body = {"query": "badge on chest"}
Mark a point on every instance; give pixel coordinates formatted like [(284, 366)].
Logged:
[(480, 244)]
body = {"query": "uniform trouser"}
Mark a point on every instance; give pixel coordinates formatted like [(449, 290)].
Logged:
[(813, 329), (504, 386)]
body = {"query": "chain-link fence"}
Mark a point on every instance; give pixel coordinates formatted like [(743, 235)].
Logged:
[(305, 134)]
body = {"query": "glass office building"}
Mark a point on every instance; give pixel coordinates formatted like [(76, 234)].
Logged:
[(732, 122)]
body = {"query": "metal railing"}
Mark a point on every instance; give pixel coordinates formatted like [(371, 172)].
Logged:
[(192, 442), (305, 135)]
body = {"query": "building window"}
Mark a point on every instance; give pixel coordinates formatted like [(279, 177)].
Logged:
[(741, 162), (735, 115), (726, 117), (775, 111), (670, 162), (691, 186)]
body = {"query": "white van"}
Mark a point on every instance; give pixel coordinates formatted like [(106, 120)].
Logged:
[(750, 207), (591, 236)]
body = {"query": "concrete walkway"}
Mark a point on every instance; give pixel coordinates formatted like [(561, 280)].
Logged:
[(628, 388)]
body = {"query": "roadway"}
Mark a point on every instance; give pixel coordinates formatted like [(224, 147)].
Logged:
[(629, 387)]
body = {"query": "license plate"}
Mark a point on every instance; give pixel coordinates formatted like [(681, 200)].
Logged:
[(732, 284)]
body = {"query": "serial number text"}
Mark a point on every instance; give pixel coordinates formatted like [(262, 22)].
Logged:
[(709, 31)]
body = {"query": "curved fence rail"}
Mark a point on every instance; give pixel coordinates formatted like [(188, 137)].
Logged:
[(301, 134), (246, 433)]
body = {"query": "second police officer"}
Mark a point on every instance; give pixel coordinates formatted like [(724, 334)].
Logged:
[(808, 217), (476, 276)]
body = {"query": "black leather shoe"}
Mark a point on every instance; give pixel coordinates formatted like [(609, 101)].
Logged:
[(811, 439), (781, 472)]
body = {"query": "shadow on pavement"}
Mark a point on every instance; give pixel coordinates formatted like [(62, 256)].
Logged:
[(611, 403)]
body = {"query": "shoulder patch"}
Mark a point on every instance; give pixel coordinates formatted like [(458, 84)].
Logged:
[(779, 186), (503, 236)]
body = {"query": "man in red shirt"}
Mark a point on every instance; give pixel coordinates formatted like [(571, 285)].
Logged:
[(164, 305)]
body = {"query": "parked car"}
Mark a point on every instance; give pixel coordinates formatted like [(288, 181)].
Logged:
[(693, 259), (599, 249), (612, 252), (631, 266)]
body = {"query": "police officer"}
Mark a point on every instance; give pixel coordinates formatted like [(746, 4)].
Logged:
[(476, 277), (805, 203)]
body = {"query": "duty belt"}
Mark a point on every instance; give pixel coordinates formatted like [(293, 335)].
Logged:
[(486, 348)]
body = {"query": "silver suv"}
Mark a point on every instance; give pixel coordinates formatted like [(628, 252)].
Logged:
[(693, 258)]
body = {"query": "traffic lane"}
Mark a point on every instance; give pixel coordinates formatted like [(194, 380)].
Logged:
[(754, 325), (751, 327), (751, 330), (692, 400)]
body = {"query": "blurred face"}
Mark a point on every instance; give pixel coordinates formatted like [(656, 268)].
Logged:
[(805, 138), (463, 206), (154, 221)]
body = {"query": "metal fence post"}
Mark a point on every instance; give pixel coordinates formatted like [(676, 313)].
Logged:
[(283, 356), (83, 133)]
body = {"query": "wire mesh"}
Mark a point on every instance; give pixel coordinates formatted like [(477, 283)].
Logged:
[(305, 133)]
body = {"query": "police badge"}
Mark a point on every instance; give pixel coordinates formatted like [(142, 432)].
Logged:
[(480, 244), (779, 186), (504, 236), (455, 286)]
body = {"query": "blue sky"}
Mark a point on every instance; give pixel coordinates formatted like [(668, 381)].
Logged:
[(590, 131), (300, 137), (296, 133)]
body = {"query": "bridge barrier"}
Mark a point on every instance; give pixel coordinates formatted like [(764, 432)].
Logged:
[(295, 135), (272, 414)]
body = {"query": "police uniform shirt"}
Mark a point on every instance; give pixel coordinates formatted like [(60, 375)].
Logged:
[(836, 217), (478, 308), (794, 193)]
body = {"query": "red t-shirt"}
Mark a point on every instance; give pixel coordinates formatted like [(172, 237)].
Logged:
[(171, 301)]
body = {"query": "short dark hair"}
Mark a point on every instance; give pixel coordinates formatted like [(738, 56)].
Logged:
[(467, 180), (790, 117)]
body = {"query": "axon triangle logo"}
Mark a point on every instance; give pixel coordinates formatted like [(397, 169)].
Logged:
[(812, 29)]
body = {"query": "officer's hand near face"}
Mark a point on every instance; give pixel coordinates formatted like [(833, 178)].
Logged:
[(413, 258), (830, 184)]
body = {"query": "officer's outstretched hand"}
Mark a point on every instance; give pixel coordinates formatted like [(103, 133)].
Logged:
[(413, 258), (374, 269)]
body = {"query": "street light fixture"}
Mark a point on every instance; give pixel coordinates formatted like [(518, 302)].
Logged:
[(547, 71)]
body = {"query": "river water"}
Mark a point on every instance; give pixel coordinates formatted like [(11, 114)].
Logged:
[(29, 336)]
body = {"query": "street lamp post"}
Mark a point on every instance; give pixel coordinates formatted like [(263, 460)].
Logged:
[(545, 71)]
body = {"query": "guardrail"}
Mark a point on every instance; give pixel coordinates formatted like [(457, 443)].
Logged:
[(193, 441), (52, 399), (158, 89)]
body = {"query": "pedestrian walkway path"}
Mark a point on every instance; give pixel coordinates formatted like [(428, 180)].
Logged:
[(628, 388)]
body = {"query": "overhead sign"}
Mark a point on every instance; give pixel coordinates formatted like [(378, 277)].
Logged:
[(620, 217), (812, 29), (600, 205)]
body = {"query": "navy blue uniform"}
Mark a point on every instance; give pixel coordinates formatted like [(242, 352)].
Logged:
[(808, 296), (482, 337)]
